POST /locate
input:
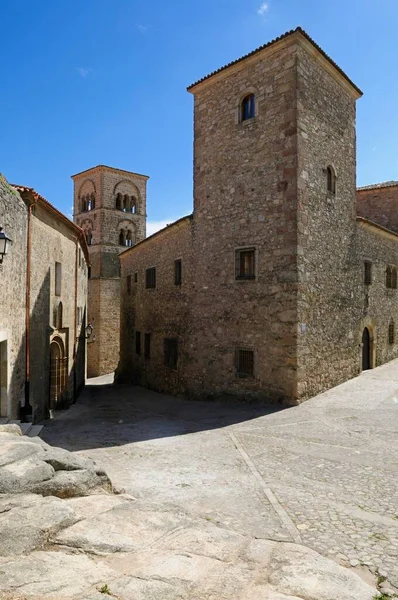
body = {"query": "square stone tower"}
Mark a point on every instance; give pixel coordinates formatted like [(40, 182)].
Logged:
[(110, 206)]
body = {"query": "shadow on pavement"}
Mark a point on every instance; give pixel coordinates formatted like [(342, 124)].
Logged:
[(113, 415)]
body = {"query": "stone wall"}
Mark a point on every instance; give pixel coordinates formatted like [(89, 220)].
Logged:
[(13, 218), (379, 204), (326, 228), (163, 312), (104, 221), (52, 241)]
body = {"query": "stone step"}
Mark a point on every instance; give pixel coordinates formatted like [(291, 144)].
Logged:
[(4, 420), (35, 430)]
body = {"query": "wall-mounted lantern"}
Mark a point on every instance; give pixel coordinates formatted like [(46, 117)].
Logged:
[(88, 332), (5, 242)]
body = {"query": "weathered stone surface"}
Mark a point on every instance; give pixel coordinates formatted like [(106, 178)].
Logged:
[(33, 466), (26, 521), (11, 428)]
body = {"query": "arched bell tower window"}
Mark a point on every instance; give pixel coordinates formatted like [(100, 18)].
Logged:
[(129, 239), (89, 238), (133, 205), (121, 238), (331, 180), (248, 107), (119, 201)]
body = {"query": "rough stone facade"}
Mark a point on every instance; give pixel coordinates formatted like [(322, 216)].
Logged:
[(282, 184), (110, 206), (46, 344), (14, 220), (379, 203)]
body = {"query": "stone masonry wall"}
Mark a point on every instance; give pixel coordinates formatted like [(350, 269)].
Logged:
[(379, 205), (163, 312), (13, 218), (104, 222), (245, 188), (326, 227), (52, 242)]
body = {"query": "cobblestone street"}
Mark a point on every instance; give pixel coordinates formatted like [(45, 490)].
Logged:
[(323, 474)]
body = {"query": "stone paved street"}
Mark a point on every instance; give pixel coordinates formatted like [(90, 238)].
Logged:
[(323, 474)]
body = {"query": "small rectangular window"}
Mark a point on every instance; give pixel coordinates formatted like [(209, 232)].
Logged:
[(178, 272), (129, 277), (244, 363), (135, 277), (138, 342), (391, 333), (147, 346), (171, 352), (150, 277), (89, 272), (58, 278), (368, 272), (245, 263)]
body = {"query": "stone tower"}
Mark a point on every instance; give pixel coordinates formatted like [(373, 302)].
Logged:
[(110, 206)]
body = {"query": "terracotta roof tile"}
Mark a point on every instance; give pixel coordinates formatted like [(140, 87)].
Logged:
[(376, 186)]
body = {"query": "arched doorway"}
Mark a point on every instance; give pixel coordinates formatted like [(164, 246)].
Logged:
[(58, 372), (366, 350)]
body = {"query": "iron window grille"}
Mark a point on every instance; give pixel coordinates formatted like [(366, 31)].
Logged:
[(367, 272), (178, 272), (170, 353), (244, 363), (138, 342), (147, 346), (391, 333), (150, 277), (245, 263)]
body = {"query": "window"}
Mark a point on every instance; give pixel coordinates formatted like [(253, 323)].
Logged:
[(245, 263), (135, 277), (118, 202), (89, 272), (121, 238), (391, 332), (171, 353), (147, 346), (331, 180), (138, 342), (248, 107), (89, 238), (244, 363), (133, 205), (178, 272), (129, 239), (150, 277), (129, 277), (367, 272), (391, 277), (58, 321), (58, 278)]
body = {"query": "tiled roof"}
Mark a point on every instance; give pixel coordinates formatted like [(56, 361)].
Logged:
[(268, 44), (38, 198), (376, 186), (376, 225), (110, 169)]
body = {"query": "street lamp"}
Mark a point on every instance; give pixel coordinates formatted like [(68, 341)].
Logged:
[(88, 332), (5, 242)]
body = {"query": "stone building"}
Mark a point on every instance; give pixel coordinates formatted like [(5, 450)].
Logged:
[(43, 308), (110, 207), (274, 287)]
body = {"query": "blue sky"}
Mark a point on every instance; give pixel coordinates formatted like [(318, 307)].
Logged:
[(87, 82)]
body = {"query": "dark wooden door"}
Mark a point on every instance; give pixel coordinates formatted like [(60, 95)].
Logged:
[(365, 350)]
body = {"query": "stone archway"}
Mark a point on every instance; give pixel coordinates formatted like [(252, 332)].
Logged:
[(58, 372), (367, 341)]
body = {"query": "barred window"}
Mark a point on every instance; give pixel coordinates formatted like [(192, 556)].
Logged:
[(150, 277), (171, 352), (388, 277), (129, 278), (178, 272), (244, 363), (245, 263), (367, 272), (138, 342), (391, 333), (147, 346)]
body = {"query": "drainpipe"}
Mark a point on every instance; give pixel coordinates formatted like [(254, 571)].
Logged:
[(27, 409)]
